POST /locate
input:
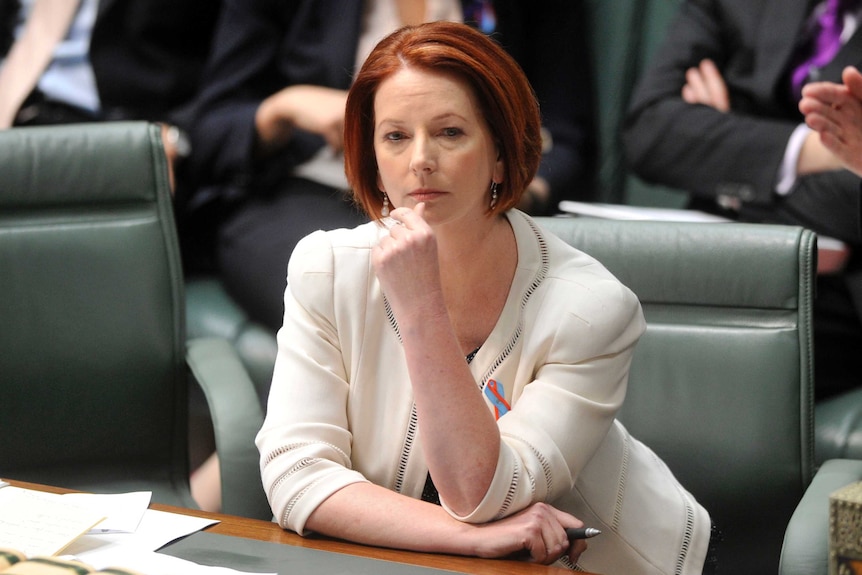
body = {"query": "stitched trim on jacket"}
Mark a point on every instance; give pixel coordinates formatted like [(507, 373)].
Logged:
[(541, 274), (543, 462), (409, 439), (510, 494), (621, 486), (689, 530), (292, 503), (290, 447), (301, 464)]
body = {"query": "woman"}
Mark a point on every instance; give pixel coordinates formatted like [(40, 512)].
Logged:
[(372, 397)]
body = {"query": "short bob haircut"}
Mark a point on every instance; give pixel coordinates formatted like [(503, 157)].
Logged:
[(504, 94)]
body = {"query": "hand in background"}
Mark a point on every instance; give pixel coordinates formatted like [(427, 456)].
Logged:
[(834, 111), (705, 85), (315, 109)]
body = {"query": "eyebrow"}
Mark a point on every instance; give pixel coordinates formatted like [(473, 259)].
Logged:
[(438, 118)]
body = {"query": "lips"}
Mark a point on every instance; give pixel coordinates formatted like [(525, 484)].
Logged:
[(425, 194)]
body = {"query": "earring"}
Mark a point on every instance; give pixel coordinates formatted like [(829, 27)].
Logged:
[(385, 210), (494, 187)]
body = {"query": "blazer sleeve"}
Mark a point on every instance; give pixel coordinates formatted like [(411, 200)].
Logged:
[(305, 441)]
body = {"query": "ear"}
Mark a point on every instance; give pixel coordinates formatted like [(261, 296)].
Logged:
[(499, 170), (380, 184)]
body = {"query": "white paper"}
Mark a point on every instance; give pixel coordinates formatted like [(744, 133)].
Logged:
[(156, 529), (122, 511), (40, 525), (627, 212)]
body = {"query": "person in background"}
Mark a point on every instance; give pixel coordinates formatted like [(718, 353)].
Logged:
[(448, 374), (267, 138), (111, 60), (716, 114), (834, 111)]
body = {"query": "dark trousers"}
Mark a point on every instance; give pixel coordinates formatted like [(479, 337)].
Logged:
[(255, 242)]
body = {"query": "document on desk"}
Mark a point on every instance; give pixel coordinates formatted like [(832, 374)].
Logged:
[(123, 511), (627, 212), (156, 529), (40, 525)]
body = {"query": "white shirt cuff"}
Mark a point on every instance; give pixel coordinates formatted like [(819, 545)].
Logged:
[(787, 172)]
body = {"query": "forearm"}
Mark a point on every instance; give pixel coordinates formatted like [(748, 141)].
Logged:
[(459, 435), (373, 515), (707, 152)]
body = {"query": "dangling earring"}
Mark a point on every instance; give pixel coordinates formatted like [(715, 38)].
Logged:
[(494, 187), (385, 210)]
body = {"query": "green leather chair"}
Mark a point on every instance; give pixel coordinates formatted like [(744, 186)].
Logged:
[(623, 35), (94, 361), (721, 382)]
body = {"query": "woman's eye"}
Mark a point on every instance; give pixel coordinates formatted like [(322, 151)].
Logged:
[(452, 132), (394, 136)]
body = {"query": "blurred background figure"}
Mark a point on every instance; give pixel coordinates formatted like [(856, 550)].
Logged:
[(67, 61), (267, 134), (716, 115)]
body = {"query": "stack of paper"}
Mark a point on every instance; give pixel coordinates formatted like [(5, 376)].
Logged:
[(103, 531)]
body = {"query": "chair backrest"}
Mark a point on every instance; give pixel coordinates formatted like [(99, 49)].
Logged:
[(92, 338), (721, 382), (623, 36)]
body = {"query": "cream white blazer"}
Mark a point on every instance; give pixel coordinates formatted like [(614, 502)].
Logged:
[(555, 367)]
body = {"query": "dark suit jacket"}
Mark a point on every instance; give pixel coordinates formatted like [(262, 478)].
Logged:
[(147, 56), (738, 154), (265, 45)]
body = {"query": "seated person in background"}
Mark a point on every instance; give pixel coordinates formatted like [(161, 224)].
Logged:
[(448, 374), (112, 60), (716, 114), (267, 138), (835, 112)]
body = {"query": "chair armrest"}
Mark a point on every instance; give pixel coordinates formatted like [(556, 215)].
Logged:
[(806, 541), (237, 417)]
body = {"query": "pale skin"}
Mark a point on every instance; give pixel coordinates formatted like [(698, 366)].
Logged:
[(705, 85), (834, 111), (446, 270)]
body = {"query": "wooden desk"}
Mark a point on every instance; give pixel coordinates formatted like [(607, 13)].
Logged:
[(270, 532)]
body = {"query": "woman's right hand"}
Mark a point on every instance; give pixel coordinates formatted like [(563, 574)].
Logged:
[(536, 533), (314, 109)]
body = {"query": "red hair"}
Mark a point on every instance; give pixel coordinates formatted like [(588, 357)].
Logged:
[(506, 100)]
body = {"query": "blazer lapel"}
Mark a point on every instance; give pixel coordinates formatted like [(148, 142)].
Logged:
[(849, 55), (782, 23)]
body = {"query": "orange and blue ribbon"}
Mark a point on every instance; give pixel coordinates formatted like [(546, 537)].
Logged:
[(496, 393)]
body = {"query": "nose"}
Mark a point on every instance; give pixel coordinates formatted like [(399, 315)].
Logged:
[(422, 158)]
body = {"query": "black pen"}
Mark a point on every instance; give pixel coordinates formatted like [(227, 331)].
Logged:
[(581, 532)]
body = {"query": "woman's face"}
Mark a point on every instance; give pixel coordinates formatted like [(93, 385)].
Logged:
[(432, 145)]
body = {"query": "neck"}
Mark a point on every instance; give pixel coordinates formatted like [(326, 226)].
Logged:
[(461, 245)]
